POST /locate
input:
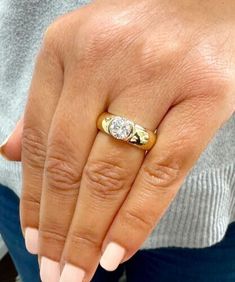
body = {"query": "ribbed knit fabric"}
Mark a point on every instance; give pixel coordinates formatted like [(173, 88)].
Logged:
[(205, 205), (201, 212)]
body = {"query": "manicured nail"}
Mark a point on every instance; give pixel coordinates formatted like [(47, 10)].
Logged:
[(112, 256), (2, 147), (50, 270), (72, 273), (31, 240)]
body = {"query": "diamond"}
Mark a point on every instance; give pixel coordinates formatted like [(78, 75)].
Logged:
[(121, 128)]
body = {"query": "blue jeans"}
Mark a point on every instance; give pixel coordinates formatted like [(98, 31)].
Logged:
[(212, 264), (26, 264)]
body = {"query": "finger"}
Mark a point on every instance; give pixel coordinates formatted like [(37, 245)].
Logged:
[(72, 134), (107, 178), (43, 97), (11, 148), (182, 136)]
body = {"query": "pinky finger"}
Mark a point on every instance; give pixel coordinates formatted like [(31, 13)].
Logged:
[(159, 179)]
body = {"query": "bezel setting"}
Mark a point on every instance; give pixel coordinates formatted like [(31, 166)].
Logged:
[(121, 128)]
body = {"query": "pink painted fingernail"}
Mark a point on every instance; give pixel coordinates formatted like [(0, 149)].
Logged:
[(112, 256), (2, 147), (31, 240), (50, 270), (72, 273)]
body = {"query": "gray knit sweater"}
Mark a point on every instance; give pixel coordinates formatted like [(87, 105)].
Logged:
[(205, 204)]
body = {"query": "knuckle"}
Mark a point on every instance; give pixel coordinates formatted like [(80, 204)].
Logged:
[(51, 243), (220, 87), (95, 46), (48, 234), (29, 211), (62, 176), (108, 38), (54, 43), (140, 221), (30, 197), (157, 58), (104, 178), (33, 147), (51, 36), (208, 82), (161, 174), (206, 73), (84, 239)]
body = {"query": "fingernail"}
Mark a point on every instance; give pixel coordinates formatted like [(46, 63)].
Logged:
[(31, 240), (72, 273), (112, 256), (2, 147), (50, 270)]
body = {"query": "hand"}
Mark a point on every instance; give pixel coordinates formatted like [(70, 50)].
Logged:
[(164, 64)]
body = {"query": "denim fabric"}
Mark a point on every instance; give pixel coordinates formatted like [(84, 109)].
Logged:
[(211, 264), (26, 264)]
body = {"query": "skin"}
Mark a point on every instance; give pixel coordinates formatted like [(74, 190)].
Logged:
[(168, 65)]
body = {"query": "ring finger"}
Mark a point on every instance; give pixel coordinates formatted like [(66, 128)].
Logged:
[(107, 178)]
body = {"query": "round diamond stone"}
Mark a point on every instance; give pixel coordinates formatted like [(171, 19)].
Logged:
[(120, 128)]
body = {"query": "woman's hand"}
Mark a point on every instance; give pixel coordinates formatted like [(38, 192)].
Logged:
[(164, 64)]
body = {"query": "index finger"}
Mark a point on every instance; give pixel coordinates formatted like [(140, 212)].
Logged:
[(45, 89)]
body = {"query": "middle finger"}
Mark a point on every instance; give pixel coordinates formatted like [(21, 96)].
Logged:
[(71, 136)]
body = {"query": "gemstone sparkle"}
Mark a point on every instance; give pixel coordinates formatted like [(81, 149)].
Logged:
[(121, 128)]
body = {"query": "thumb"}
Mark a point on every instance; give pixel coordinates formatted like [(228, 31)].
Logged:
[(11, 147)]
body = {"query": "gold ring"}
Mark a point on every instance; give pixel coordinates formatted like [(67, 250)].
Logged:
[(126, 130)]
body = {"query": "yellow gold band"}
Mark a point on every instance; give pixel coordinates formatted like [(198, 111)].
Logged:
[(126, 130)]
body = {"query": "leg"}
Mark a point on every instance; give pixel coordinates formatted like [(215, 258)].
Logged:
[(26, 264), (214, 264)]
